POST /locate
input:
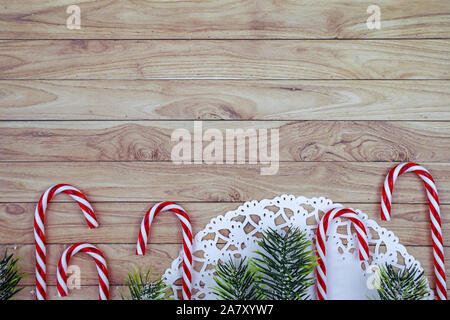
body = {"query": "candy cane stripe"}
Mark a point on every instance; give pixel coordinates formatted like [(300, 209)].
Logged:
[(97, 256), (435, 216), (187, 239), (39, 229), (361, 232)]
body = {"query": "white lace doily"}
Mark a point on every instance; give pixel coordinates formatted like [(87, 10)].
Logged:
[(236, 234)]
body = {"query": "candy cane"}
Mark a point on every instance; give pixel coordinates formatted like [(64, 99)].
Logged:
[(39, 229), (102, 269), (187, 239), (435, 216), (320, 244)]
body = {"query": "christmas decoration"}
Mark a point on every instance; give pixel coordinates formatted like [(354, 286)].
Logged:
[(102, 269), (320, 244), (39, 229), (238, 233), (10, 276), (435, 216), (142, 288), (268, 251), (237, 280), (406, 284), (285, 264), (187, 239)]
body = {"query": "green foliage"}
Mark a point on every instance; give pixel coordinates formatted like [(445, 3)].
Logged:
[(405, 284), (285, 265), (10, 277), (142, 288), (282, 270), (236, 280)]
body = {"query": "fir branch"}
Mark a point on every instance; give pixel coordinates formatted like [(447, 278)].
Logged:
[(285, 265), (405, 284), (10, 276), (236, 280), (142, 288)]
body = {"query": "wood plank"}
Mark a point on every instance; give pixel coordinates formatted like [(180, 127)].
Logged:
[(298, 141), (220, 59), (248, 100), (121, 259), (156, 181), (119, 223), (228, 19)]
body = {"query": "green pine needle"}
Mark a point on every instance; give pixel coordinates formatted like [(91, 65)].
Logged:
[(285, 264), (405, 284), (142, 288), (236, 280), (10, 276)]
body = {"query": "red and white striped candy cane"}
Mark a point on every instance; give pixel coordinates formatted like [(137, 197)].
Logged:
[(99, 259), (187, 239), (363, 244), (435, 216), (39, 229)]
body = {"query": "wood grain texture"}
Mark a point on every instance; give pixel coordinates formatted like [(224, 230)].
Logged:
[(345, 110), (158, 181), (298, 141), (139, 19), (220, 59), (235, 100), (119, 222), (122, 259)]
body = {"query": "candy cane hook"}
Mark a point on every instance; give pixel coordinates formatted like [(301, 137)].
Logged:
[(363, 244), (187, 239), (102, 269), (435, 216), (39, 229)]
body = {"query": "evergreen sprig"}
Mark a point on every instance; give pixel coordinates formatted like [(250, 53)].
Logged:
[(285, 265), (406, 284), (141, 287), (10, 276), (236, 280)]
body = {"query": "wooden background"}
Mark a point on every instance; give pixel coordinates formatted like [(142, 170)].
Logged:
[(95, 108)]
